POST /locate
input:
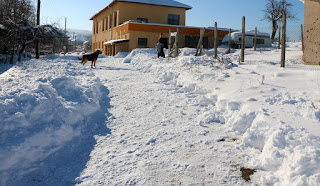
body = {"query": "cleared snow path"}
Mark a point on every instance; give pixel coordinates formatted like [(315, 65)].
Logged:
[(156, 137)]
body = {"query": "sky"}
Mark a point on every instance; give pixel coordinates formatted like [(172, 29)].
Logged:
[(227, 13)]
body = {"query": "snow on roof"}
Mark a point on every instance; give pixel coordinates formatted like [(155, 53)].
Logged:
[(248, 33), (115, 41), (170, 3)]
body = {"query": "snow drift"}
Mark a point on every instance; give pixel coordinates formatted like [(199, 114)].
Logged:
[(43, 107)]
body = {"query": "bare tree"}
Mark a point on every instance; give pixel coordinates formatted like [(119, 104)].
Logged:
[(274, 10), (15, 17), (18, 29)]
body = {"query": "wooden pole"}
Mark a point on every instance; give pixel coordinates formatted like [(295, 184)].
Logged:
[(169, 47), (255, 39), (200, 41), (201, 36), (215, 40), (283, 49), (243, 38), (176, 53), (279, 40), (38, 24), (229, 44), (302, 39)]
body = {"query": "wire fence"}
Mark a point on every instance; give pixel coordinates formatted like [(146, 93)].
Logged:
[(294, 41)]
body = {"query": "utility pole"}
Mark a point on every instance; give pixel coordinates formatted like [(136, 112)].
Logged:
[(38, 24)]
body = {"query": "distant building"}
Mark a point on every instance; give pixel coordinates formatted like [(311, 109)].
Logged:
[(124, 25), (311, 46)]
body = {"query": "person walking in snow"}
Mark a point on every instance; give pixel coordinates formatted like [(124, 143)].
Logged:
[(160, 45)]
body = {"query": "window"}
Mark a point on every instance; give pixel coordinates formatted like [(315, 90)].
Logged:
[(115, 19), (142, 42), (173, 19), (259, 41), (144, 20), (103, 25)]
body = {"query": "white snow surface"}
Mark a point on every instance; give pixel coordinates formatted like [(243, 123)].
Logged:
[(137, 119)]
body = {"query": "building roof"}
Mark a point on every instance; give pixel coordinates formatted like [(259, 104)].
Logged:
[(115, 41), (169, 3)]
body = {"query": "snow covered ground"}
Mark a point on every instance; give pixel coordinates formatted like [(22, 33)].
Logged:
[(136, 119)]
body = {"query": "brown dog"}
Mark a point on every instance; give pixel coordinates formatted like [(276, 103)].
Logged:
[(90, 57)]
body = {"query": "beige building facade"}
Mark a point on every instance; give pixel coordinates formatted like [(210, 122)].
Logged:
[(125, 25), (311, 46)]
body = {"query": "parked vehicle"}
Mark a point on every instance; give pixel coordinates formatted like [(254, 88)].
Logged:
[(263, 39)]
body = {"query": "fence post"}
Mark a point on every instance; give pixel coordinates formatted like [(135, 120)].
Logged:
[(243, 38), (283, 49), (302, 41), (255, 39), (229, 44), (279, 43), (215, 40), (169, 44), (169, 47), (200, 41), (176, 53)]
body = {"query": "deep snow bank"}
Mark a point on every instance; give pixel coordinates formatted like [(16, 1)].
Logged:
[(44, 105), (274, 111)]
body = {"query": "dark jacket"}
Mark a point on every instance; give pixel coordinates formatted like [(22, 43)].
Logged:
[(163, 41)]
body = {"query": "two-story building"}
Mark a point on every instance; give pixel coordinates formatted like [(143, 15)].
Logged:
[(124, 25), (311, 46)]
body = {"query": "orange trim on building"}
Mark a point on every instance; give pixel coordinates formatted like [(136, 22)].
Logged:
[(165, 29)]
